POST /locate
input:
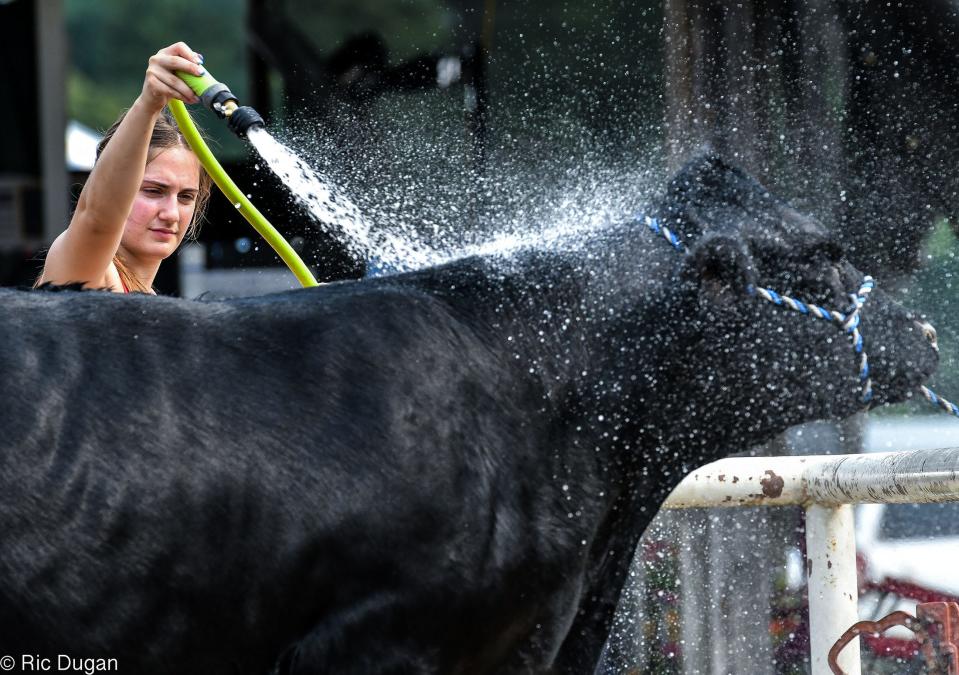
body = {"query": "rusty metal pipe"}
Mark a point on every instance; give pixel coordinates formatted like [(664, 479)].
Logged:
[(833, 588), (916, 476), (827, 486)]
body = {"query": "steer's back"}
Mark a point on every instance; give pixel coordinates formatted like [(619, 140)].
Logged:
[(187, 480)]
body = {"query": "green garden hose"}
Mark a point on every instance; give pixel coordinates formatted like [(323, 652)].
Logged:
[(223, 181)]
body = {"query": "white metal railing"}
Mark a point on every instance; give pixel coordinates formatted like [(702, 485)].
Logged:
[(827, 486)]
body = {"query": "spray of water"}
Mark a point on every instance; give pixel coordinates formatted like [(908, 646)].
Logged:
[(334, 211), (406, 221)]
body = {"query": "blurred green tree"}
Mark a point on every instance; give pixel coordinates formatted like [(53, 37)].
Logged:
[(111, 40)]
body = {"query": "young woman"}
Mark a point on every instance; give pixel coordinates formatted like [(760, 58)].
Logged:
[(145, 194)]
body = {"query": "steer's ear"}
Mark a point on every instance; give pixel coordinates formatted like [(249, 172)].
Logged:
[(721, 268)]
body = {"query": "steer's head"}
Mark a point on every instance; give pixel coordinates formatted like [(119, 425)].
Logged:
[(736, 367)]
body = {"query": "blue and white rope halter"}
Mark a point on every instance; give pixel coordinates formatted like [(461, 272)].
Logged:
[(937, 400), (849, 321)]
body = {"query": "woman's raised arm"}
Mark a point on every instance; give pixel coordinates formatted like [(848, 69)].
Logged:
[(84, 251)]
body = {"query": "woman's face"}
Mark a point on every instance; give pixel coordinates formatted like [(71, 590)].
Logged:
[(164, 205)]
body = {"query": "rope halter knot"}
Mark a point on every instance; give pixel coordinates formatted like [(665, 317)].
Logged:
[(851, 326), (849, 322)]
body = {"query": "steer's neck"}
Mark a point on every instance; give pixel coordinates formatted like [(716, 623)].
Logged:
[(592, 327)]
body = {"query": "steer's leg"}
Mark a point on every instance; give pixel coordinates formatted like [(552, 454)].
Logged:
[(582, 649)]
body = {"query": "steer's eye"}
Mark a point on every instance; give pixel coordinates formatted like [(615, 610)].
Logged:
[(821, 282), (826, 249)]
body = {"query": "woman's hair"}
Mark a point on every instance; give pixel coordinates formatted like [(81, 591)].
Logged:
[(166, 134)]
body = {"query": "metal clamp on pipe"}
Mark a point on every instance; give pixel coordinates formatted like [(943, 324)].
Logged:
[(217, 97)]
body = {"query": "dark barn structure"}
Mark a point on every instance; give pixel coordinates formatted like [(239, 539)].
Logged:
[(847, 106)]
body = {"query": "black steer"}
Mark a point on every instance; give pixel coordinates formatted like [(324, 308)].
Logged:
[(445, 471)]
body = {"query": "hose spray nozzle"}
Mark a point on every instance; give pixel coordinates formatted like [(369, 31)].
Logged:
[(217, 97)]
